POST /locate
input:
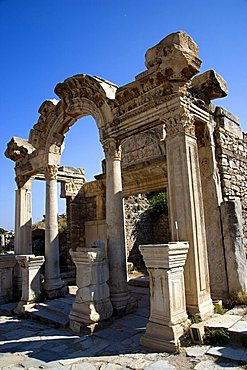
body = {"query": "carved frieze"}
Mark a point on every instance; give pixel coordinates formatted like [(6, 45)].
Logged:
[(143, 146), (71, 188)]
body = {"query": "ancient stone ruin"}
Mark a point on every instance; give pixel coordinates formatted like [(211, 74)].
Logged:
[(160, 132)]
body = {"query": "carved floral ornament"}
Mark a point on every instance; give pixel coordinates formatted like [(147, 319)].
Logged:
[(112, 149), (51, 172), (184, 122)]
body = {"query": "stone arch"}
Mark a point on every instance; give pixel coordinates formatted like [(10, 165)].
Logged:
[(81, 95)]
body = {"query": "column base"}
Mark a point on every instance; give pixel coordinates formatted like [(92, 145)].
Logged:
[(86, 317), (122, 303), (204, 309), (54, 288), (162, 338), (22, 307)]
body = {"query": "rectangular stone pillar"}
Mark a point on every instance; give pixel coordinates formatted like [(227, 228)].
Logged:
[(23, 225), (167, 295), (186, 209), (92, 304), (30, 267), (236, 264), (23, 219)]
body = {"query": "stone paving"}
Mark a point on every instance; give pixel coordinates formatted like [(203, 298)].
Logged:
[(27, 344)]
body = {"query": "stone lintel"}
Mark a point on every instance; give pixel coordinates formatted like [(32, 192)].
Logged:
[(211, 84)]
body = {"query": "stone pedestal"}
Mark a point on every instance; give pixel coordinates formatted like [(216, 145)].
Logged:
[(7, 265), (167, 295), (116, 250), (53, 285), (186, 208), (92, 304), (30, 268)]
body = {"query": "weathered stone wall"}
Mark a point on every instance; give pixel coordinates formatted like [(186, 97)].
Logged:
[(231, 155), (142, 227)]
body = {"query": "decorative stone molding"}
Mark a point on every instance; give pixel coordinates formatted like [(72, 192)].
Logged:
[(112, 149), (167, 295), (30, 267), (92, 304)]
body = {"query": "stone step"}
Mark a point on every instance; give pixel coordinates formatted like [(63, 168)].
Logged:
[(238, 333), (53, 311), (59, 308), (52, 318), (7, 308)]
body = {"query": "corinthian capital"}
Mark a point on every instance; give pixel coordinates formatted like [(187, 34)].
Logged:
[(112, 149), (51, 172), (181, 121)]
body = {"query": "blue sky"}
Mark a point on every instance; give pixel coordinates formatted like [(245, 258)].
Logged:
[(44, 42)]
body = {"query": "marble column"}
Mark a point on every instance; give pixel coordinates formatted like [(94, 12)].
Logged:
[(116, 249), (53, 285), (167, 295), (186, 208)]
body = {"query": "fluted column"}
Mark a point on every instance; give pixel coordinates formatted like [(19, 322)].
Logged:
[(53, 284), (23, 225), (23, 216), (186, 207), (116, 250)]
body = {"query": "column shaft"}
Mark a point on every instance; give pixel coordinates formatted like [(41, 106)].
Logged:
[(115, 227), (53, 282)]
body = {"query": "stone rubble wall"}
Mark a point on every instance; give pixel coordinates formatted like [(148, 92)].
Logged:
[(142, 227), (231, 154)]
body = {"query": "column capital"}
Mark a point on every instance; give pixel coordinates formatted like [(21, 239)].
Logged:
[(179, 121), (51, 172), (112, 149)]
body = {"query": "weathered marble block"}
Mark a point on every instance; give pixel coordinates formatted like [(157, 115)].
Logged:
[(7, 264), (167, 295), (30, 269), (92, 303)]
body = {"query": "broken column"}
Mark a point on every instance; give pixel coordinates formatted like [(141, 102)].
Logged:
[(92, 305), (167, 295), (30, 269)]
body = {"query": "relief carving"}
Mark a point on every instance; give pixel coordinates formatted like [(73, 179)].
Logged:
[(143, 146)]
